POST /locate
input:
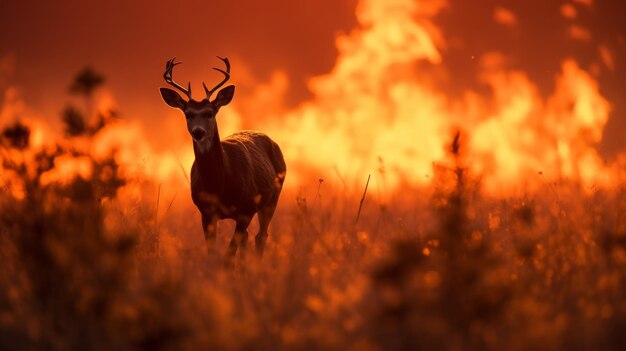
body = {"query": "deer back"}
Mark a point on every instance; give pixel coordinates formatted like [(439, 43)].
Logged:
[(254, 169)]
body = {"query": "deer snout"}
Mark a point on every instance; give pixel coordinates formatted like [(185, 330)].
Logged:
[(198, 133)]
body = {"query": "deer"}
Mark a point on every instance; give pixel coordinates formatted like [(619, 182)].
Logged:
[(234, 178)]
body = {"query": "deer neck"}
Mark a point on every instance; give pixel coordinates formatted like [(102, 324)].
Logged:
[(210, 164)]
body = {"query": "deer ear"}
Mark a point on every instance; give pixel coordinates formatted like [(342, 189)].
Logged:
[(224, 96), (172, 98)]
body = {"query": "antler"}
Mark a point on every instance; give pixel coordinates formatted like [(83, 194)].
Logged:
[(225, 73), (169, 66)]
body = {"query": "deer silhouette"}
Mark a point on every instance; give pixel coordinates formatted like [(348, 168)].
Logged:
[(232, 178)]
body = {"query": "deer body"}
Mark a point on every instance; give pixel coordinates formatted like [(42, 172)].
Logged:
[(232, 178)]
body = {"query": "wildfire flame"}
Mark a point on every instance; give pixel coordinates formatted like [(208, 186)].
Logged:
[(374, 105)]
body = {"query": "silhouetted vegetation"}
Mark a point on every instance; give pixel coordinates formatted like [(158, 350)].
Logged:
[(74, 121), (16, 136), (86, 82)]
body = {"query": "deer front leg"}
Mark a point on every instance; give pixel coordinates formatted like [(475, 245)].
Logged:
[(240, 239), (265, 216), (209, 226)]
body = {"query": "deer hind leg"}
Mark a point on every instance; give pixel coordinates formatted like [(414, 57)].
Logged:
[(265, 216), (240, 238), (209, 226)]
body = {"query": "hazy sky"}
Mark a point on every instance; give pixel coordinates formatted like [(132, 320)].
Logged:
[(129, 41)]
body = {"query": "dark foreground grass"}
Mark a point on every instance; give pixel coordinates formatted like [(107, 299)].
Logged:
[(442, 269)]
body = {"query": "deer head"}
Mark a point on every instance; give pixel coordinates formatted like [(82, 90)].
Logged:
[(200, 115)]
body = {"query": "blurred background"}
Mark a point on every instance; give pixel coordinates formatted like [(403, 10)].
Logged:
[(366, 70)]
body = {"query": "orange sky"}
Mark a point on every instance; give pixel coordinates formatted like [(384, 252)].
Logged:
[(129, 41)]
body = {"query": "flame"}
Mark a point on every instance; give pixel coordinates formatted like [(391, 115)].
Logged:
[(375, 105), (526, 135), (371, 105), (66, 168)]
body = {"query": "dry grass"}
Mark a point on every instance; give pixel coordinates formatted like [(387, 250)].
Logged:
[(432, 269)]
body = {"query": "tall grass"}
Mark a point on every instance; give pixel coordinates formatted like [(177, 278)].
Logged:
[(445, 268)]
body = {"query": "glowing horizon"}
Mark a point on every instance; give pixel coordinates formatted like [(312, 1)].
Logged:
[(382, 105)]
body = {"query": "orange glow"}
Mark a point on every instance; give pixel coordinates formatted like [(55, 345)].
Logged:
[(504, 16), (67, 168), (579, 33), (607, 57), (569, 11), (380, 110)]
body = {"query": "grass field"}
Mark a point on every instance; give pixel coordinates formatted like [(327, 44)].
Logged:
[(442, 267)]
